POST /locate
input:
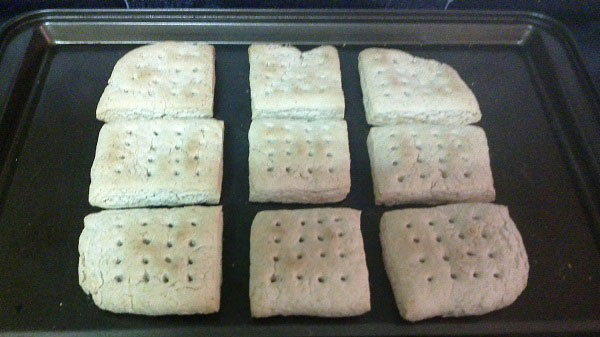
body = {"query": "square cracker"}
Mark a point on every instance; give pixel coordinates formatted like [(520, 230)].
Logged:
[(430, 164), (288, 83), (162, 80), (401, 88), (308, 262), (158, 163), (298, 161), (453, 260), (153, 261)]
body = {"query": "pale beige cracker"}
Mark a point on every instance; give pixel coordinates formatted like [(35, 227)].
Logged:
[(401, 88), (288, 83), (158, 163), (162, 80), (308, 262), (153, 261), (453, 260), (298, 161), (420, 163)]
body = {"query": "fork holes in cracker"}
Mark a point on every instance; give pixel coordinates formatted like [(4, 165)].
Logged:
[(119, 278), (167, 259), (430, 279), (144, 261), (118, 261), (469, 253), (301, 239), (190, 261), (322, 255), (192, 243), (277, 240), (438, 239), (273, 278), (329, 155), (401, 179), (491, 255), (320, 238), (299, 277), (299, 256), (119, 243), (416, 240), (446, 258), (169, 244), (146, 241), (276, 258), (461, 236), (422, 260), (321, 279), (395, 163), (165, 278), (476, 275), (496, 275), (146, 278), (408, 225), (467, 174), (453, 276), (190, 278)]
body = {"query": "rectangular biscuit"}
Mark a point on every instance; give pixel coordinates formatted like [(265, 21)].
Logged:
[(401, 88), (158, 163), (288, 83), (153, 261), (419, 163), (298, 161), (162, 80), (308, 262), (453, 260)]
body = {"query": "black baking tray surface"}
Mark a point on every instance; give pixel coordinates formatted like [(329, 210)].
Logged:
[(539, 112)]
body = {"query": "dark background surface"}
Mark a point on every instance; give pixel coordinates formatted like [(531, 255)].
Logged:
[(581, 16)]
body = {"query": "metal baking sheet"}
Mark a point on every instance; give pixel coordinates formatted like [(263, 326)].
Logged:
[(539, 112)]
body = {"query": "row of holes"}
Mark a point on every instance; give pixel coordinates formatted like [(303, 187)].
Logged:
[(321, 279), (146, 278), (301, 238), (147, 242), (303, 222), (175, 173), (441, 160), (156, 133), (475, 275), (288, 153), (467, 175), (300, 256), (145, 261), (271, 126), (309, 170), (290, 141), (151, 159), (419, 146)]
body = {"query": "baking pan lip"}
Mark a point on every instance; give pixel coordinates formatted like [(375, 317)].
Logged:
[(539, 20)]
